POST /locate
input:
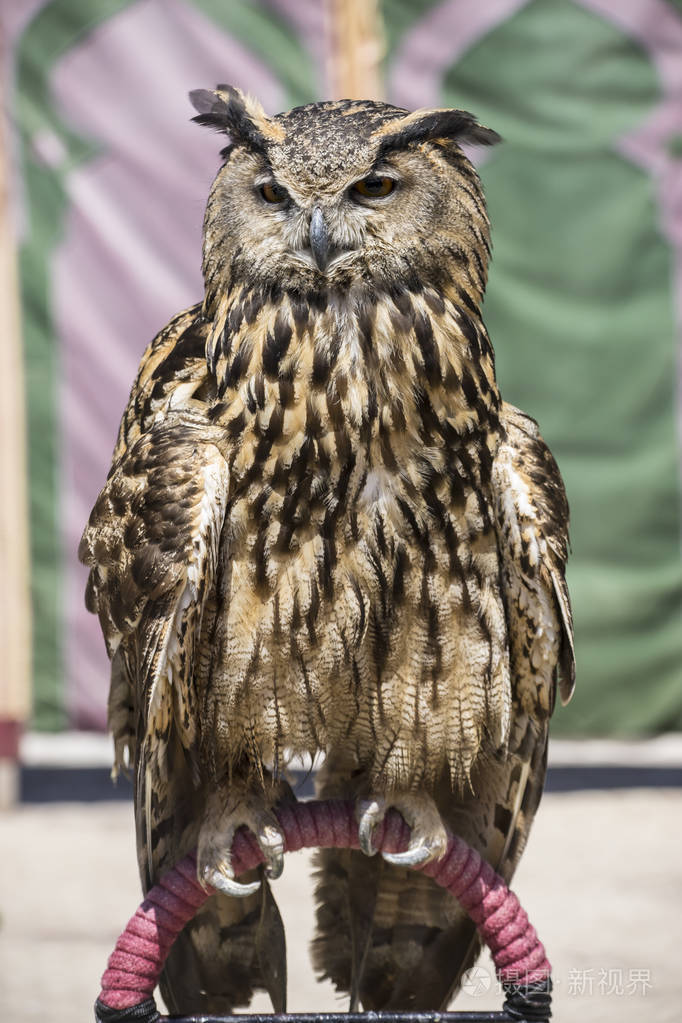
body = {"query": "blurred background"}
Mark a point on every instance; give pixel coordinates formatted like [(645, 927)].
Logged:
[(103, 181)]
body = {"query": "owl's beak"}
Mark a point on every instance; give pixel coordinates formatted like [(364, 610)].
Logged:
[(319, 239)]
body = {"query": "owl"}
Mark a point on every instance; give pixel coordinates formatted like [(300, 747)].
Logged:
[(325, 535)]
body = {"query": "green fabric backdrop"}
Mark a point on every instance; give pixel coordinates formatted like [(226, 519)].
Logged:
[(583, 302)]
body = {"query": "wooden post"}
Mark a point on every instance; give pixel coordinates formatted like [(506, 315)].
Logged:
[(15, 614), (356, 49)]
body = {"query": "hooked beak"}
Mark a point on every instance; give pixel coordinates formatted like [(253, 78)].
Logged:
[(319, 239)]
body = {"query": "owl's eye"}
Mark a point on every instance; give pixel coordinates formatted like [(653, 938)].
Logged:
[(272, 192), (374, 187)]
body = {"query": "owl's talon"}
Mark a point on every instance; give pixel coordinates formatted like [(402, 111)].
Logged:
[(271, 841), (428, 840), (225, 813), (219, 880), (370, 812), (412, 857)]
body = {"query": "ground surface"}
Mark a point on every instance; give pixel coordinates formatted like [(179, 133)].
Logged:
[(601, 881)]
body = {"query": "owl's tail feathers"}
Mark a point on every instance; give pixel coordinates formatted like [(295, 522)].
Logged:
[(230, 948), (389, 936)]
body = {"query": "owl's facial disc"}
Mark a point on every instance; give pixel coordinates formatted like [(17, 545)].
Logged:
[(306, 233), (318, 237), (321, 226), (330, 228), (342, 195), (330, 239)]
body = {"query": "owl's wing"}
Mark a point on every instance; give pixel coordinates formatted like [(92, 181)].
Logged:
[(152, 545), (532, 528), (171, 373)]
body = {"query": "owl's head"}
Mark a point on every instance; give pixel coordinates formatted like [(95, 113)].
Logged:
[(343, 195)]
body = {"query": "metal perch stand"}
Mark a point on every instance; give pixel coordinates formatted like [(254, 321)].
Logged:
[(522, 967)]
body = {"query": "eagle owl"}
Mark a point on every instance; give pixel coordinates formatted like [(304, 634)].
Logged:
[(324, 533)]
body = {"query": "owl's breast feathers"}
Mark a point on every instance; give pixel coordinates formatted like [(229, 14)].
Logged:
[(322, 526)]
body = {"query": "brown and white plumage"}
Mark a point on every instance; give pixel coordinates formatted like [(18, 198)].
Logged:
[(323, 531)]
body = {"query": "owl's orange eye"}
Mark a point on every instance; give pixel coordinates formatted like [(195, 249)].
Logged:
[(374, 187), (272, 192)]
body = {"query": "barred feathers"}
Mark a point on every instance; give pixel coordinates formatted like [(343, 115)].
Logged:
[(324, 532)]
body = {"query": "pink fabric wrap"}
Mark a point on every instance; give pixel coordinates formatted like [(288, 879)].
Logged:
[(137, 960)]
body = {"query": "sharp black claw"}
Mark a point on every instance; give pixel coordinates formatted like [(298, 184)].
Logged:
[(274, 867)]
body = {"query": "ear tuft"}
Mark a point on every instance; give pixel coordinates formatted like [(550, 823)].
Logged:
[(228, 110), (422, 125), (204, 101)]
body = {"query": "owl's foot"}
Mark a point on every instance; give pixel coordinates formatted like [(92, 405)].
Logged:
[(428, 839), (240, 806)]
